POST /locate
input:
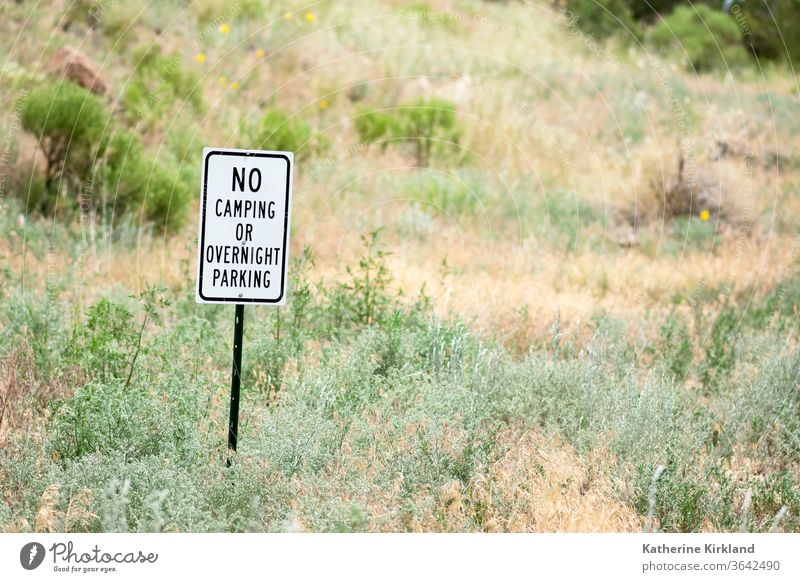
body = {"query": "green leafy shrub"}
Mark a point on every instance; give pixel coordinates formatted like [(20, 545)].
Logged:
[(602, 19), (110, 167), (108, 344), (422, 124), (211, 12), (157, 82), (675, 346), (706, 38), (681, 501), (69, 122), (277, 131), (770, 28), (103, 344), (652, 9), (364, 299), (720, 348), (373, 125), (156, 191)]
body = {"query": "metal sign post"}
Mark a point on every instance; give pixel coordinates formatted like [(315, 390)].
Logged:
[(245, 207), (236, 379)]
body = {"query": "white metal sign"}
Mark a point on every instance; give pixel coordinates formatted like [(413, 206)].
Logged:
[(244, 226)]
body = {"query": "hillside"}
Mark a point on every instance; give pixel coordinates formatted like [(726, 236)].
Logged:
[(543, 279)]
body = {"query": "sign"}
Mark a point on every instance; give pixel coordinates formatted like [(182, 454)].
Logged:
[(244, 226)]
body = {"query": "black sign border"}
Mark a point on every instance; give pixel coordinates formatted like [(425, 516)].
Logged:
[(242, 300)]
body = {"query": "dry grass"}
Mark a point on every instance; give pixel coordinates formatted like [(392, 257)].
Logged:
[(48, 516), (542, 485)]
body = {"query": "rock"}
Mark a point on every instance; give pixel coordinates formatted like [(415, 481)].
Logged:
[(77, 67)]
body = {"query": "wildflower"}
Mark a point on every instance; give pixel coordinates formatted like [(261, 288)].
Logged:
[(324, 104), (223, 80), (224, 28), (704, 215), (200, 58), (260, 53), (309, 17), (234, 85)]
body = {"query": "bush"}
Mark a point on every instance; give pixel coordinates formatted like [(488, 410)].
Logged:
[(108, 345), (102, 346), (767, 26), (81, 145), (652, 9), (422, 124), (675, 346), (157, 191), (708, 39), (720, 349), (68, 121), (157, 83), (278, 131), (602, 19)]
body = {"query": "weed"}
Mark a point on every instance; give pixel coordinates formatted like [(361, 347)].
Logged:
[(423, 124)]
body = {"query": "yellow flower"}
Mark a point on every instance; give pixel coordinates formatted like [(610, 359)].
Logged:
[(200, 58), (324, 104), (260, 53), (224, 28), (704, 215), (288, 16), (309, 17), (223, 80), (234, 85)]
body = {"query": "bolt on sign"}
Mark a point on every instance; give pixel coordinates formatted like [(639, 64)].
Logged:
[(245, 205), (244, 226)]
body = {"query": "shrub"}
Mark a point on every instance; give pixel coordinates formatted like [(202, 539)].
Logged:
[(153, 190), (676, 346), (422, 124), (652, 9), (82, 146), (278, 131), (212, 12), (157, 83), (109, 343), (770, 29), (602, 19), (372, 125), (167, 195), (102, 345), (68, 121), (720, 348), (369, 282), (708, 39)]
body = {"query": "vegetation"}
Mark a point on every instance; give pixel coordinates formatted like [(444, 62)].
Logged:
[(277, 131), (423, 124), (419, 409), (765, 26), (516, 283), (603, 19), (103, 168), (709, 39), (68, 121), (702, 26), (157, 83)]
